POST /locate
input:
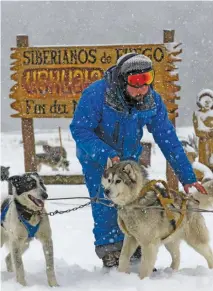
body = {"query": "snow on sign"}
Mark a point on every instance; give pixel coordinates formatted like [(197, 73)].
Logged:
[(49, 80)]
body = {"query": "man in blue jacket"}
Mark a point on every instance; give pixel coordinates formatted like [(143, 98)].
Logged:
[(108, 122)]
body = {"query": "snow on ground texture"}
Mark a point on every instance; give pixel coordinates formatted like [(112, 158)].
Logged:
[(77, 267)]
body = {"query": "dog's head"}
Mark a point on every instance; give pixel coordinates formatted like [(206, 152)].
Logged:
[(123, 181), (46, 148), (29, 190), (206, 201), (5, 173)]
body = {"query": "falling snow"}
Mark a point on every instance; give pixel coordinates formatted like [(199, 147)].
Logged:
[(77, 266)]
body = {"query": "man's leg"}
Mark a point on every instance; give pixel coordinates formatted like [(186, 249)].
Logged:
[(108, 236)]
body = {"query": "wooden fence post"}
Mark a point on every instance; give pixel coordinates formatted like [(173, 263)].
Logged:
[(27, 125), (168, 36)]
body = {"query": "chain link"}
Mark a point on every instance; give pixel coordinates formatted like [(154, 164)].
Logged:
[(92, 200), (52, 213)]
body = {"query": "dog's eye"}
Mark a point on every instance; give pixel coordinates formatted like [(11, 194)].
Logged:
[(109, 180), (117, 181)]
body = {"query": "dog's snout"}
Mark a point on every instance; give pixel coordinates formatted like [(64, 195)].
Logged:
[(44, 195), (107, 192)]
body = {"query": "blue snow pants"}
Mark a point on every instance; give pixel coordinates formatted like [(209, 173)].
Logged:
[(106, 229)]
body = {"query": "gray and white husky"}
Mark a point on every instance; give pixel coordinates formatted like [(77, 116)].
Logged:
[(21, 221), (150, 228), (54, 157)]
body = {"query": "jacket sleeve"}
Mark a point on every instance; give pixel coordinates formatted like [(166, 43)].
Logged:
[(86, 118), (165, 136)]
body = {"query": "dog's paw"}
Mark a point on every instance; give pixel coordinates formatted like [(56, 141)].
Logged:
[(53, 283), (124, 270), (144, 275), (9, 269), (22, 282)]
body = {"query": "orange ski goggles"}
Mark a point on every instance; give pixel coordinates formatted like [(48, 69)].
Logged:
[(138, 80)]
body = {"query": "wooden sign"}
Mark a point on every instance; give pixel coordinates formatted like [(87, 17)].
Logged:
[(50, 80)]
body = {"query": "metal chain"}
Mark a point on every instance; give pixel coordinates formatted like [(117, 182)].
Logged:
[(52, 213), (99, 200), (92, 200)]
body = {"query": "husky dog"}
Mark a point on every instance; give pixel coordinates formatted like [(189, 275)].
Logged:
[(54, 157), (5, 173), (151, 228), (55, 151), (21, 220), (54, 162)]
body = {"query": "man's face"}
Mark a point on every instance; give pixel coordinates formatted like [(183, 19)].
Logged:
[(137, 93)]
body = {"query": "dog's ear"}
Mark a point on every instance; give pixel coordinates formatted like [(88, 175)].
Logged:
[(109, 163), (205, 180), (130, 172), (46, 148)]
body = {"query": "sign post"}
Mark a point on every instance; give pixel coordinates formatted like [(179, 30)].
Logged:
[(27, 126), (168, 37)]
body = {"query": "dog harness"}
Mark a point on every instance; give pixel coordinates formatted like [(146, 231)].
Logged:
[(31, 229), (165, 202), (4, 212)]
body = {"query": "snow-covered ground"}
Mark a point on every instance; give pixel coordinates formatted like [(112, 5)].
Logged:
[(76, 265)]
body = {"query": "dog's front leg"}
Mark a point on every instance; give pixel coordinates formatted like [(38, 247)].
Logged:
[(129, 246), (48, 253), (9, 264), (16, 255), (148, 259), (174, 250), (3, 236), (8, 258)]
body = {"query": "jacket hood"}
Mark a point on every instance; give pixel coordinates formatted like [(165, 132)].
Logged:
[(115, 98)]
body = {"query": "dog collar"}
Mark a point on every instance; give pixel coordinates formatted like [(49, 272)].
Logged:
[(25, 212)]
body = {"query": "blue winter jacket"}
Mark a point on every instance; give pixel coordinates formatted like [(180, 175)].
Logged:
[(105, 126)]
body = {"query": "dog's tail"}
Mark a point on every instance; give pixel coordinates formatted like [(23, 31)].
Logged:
[(206, 201)]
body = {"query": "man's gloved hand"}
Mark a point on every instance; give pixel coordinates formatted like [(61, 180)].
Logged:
[(197, 185)]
